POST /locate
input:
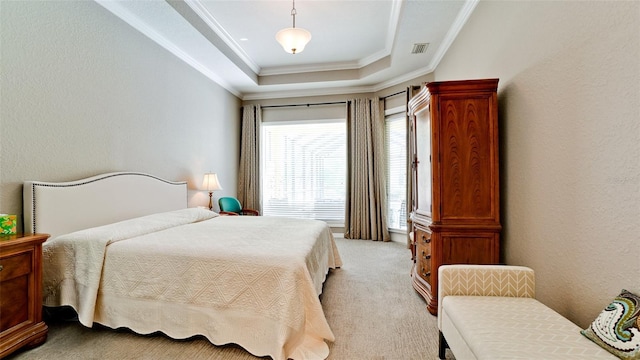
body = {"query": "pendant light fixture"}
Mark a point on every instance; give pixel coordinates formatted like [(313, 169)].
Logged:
[(293, 39)]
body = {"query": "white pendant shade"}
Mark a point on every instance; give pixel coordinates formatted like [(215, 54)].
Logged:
[(293, 40)]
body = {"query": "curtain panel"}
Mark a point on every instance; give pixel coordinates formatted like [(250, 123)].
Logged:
[(366, 198), (249, 170)]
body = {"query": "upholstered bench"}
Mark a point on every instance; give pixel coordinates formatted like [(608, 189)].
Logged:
[(489, 312)]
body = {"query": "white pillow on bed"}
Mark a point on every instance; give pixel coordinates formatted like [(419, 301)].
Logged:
[(193, 214), (142, 225)]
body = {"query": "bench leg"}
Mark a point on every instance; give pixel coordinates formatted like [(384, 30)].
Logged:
[(442, 346)]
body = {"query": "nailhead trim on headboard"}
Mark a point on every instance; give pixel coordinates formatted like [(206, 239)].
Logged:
[(88, 181)]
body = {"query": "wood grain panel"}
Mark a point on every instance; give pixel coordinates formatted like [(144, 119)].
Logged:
[(463, 219), (465, 170), (21, 322), (14, 302)]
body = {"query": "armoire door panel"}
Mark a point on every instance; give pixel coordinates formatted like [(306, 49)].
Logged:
[(466, 170)]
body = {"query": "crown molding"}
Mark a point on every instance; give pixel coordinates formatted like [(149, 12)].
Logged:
[(125, 15), (210, 20), (454, 30), (133, 20), (394, 20), (298, 69), (404, 78), (308, 92), (337, 90), (451, 35)]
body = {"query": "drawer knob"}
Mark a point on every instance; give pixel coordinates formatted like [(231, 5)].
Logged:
[(1, 267), (425, 256)]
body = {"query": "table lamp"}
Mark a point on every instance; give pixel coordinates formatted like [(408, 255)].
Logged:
[(211, 184)]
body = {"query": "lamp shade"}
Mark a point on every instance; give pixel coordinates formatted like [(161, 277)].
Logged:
[(293, 40), (211, 182)]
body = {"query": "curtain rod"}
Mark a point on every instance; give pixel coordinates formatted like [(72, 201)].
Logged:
[(326, 103), (394, 94), (311, 104)]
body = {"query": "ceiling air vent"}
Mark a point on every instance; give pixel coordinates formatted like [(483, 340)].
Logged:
[(419, 48)]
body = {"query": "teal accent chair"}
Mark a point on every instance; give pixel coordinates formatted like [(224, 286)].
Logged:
[(231, 206)]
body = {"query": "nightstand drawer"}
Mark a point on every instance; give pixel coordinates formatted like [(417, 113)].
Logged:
[(16, 265)]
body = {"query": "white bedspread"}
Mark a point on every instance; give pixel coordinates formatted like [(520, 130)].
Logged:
[(253, 281)]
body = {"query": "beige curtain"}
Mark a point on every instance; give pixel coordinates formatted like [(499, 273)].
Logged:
[(366, 202), (249, 172)]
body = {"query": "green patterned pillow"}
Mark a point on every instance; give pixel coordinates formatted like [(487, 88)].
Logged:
[(617, 328)]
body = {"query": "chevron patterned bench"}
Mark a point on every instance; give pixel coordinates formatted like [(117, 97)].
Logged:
[(490, 312)]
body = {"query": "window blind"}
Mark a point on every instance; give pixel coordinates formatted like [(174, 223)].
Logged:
[(304, 169), (396, 152)]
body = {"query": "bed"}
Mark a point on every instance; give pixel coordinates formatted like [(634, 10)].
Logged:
[(126, 251)]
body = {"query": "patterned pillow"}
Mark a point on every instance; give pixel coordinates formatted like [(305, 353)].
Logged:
[(617, 328)]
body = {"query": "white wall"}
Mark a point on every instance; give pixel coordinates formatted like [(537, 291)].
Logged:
[(84, 93), (569, 97)]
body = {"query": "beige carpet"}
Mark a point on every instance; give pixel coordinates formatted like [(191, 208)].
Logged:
[(369, 304)]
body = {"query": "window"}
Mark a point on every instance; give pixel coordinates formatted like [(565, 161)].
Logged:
[(304, 169), (395, 141)]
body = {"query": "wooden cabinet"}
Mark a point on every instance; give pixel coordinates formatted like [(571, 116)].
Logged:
[(455, 210), (21, 292)]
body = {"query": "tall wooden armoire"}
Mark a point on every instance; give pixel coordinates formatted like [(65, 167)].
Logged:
[(455, 194)]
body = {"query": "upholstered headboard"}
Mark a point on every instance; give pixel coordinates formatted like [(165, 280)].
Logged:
[(61, 208)]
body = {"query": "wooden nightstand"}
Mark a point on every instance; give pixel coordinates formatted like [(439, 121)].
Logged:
[(21, 292)]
